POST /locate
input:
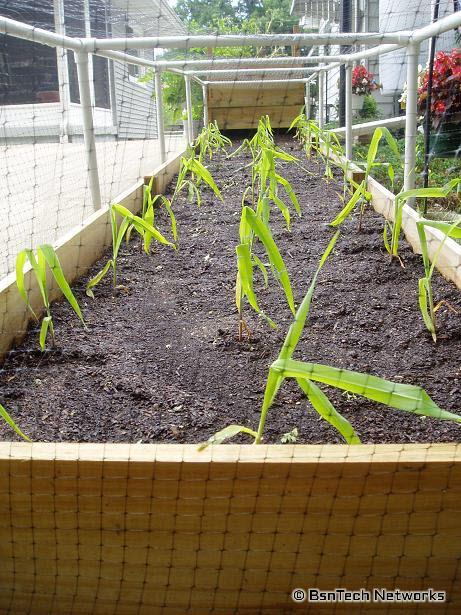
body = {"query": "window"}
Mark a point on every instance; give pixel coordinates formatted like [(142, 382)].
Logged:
[(133, 70), (28, 71)]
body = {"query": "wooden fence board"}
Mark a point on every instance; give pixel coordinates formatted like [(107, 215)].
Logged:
[(165, 529)]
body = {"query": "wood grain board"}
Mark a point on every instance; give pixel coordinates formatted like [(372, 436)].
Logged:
[(167, 529)]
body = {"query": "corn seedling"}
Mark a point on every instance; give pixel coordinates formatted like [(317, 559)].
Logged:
[(393, 229), (9, 421), (425, 294), (408, 398), (45, 256), (266, 182), (263, 137), (361, 194), (148, 215), (251, 226), (140, 225), (191, 175), (210, 141)]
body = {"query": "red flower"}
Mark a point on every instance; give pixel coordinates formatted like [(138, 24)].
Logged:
[(446, 86)]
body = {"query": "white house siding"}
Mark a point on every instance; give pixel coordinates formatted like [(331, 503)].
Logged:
[(136, 110)]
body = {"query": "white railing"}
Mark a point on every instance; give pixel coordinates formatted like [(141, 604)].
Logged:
[(115, 48)]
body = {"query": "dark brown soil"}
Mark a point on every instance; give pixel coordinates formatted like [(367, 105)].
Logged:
[(160, 361)]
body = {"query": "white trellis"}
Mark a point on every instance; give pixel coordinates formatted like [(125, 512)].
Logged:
[(210, 71)]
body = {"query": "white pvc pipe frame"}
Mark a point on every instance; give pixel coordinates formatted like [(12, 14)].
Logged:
[(114, 48)]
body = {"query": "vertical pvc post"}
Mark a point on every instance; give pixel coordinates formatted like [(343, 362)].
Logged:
[(348, 110), (88, 127), (63, 72), (159, 108), (321, 98), (307, 99), (189, 131), (205, 105), (411, 116)]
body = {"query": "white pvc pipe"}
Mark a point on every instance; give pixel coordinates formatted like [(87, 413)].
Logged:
[(159, 108), (321, 98), (254, 40), (237, 82), (275, 61), (205, 105), (307, 99), (190, 130), (30, 33), (88, 128), (253, 71), (450, 22), (411, 117), (348, 86)]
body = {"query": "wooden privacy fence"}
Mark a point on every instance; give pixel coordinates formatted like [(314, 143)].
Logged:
[(147, 529), (241, 107)]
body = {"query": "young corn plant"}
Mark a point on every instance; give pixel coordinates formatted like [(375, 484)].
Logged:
[(265, 184), (361, 195), (45, 257), (210, 141), (144, 228), (263, 137), (408, 398), (191, 174), (148, 215), (392, 230), (9, 421), (251, 226), (425, 294)]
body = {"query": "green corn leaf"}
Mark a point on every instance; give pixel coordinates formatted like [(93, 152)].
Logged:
[(275, 379), (53, 262), (46, 324), (119, 235), (197, 167), (327, 411), (226, 433), (257, 261), (343, 214), (167, 204), (141, 226), (296, 328), (289, 190), (7, 418), (452, 230), (97, 278), (283, 208), (273, 253), (238, 293), (245, 269), (373, 149), (20, 262), (386, 230), (405, 397), (386, 133), (423, 294)]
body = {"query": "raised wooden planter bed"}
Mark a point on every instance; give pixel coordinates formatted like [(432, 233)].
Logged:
[(164, 528), (234, 529)]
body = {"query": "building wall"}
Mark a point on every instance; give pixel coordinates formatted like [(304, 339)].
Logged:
[(136, 109)]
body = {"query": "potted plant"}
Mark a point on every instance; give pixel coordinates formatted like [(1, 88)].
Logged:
[(445, 142), (363, 84)]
